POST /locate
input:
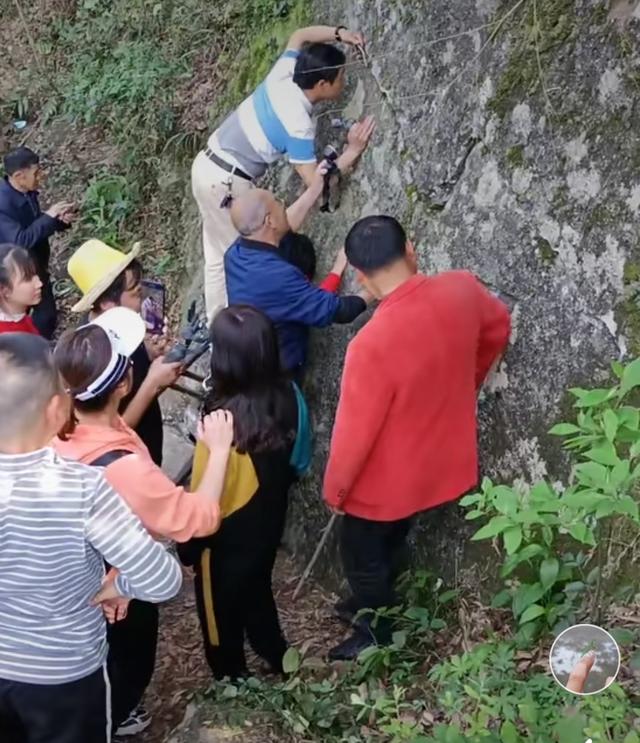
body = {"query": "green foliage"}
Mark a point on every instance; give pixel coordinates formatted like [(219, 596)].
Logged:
[(392, 694), (271, 23), (108, 201), (549, 535)]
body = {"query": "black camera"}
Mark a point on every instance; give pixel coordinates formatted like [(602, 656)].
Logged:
[(329, 155)]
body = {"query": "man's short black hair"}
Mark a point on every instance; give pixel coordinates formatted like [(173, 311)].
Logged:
[(19, 159), (317, 62), (374, 243), (298, 250)]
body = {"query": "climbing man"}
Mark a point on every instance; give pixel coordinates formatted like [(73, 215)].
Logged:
[(272, 122)]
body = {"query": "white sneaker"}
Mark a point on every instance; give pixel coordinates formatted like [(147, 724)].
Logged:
[(137, 721)]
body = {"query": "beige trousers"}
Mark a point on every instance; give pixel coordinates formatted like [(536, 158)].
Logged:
[(209, 186)]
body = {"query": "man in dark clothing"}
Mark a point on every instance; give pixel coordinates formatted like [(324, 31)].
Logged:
[(23, 223), (258, 275)]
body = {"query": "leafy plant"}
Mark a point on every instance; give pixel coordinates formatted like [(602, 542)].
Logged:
[(107, 202), (550, 535)]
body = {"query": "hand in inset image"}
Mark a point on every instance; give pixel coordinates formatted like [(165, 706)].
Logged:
[(580, 672), (584, 659)]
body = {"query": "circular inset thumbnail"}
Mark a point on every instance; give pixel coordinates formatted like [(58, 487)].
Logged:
[(584, 659)]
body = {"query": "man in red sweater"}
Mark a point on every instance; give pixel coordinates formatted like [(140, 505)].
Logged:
[(404, 438)]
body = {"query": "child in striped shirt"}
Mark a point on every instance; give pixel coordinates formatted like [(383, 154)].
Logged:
[(60, 520)]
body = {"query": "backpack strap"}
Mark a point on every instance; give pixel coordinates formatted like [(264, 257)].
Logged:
[(104, 460)]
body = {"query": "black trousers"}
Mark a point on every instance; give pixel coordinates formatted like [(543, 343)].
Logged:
[(45, 314), (65, 713), (132, 657), (372, 556), (233, 588)]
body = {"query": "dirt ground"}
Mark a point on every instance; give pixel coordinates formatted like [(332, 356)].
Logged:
[(181, 669)]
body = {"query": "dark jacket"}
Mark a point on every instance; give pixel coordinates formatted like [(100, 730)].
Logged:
[(257, 275), (22, 222)]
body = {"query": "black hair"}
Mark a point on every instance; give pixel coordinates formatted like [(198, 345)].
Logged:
[(29, 381), (119, 285), (317, 62), (375, 242), (81, 355), (19, 159), (247, 378), (299, 250), (15, 263)]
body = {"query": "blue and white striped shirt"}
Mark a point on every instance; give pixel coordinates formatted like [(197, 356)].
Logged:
[(275, 120), (59, 521)]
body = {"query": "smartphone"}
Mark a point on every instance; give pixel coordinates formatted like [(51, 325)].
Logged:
[(153, 306)]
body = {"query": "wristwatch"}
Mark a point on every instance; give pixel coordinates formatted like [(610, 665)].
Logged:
[(338, 37)]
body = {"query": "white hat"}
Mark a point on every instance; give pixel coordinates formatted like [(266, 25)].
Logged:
[(125, 330)]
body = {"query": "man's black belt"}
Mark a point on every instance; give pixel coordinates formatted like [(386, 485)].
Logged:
[(225, 166)]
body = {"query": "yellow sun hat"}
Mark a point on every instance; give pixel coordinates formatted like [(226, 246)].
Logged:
[(94, 267)]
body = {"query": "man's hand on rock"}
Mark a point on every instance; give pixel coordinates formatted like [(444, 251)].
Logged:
[(355, 38), (360, 134)]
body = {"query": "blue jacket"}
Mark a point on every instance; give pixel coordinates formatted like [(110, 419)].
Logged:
[(23, 223), (258, 276)]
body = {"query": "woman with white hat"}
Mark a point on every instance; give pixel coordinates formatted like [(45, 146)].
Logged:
[(95, 363)]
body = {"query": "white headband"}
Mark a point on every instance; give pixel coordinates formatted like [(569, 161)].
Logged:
[(112, 373)]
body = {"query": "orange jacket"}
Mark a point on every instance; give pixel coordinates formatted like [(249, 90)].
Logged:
[(164, 508)]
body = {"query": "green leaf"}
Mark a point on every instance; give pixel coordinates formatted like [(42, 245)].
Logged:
[(399, 639), (631, 737), (617, 368), (564, 429), (501, 599), (528, 713), (532, 612), (610, 421), (605, 454), (630, 377), (447, 596), (622, 636), (469, 500), (582, 533), (505, 500), (497, 525), (571, 729), (592, 473), (527, 594), (291, 661), (512, 539), (549, 570), (594, 397), (634, 661), (509, 733)]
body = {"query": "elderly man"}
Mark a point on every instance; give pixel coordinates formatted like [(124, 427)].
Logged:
[(22, 222), (274, 122), (258, 275)]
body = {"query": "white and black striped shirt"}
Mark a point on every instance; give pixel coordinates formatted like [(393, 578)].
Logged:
[(58, 520)]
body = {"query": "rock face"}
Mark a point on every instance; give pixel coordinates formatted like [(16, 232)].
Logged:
[(507, 144)]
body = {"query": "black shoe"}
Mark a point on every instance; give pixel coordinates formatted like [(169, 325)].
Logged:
[(346, 610), (351, 648)]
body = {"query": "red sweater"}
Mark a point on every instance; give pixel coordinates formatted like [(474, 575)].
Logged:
[(404, 438), (24, 325)]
